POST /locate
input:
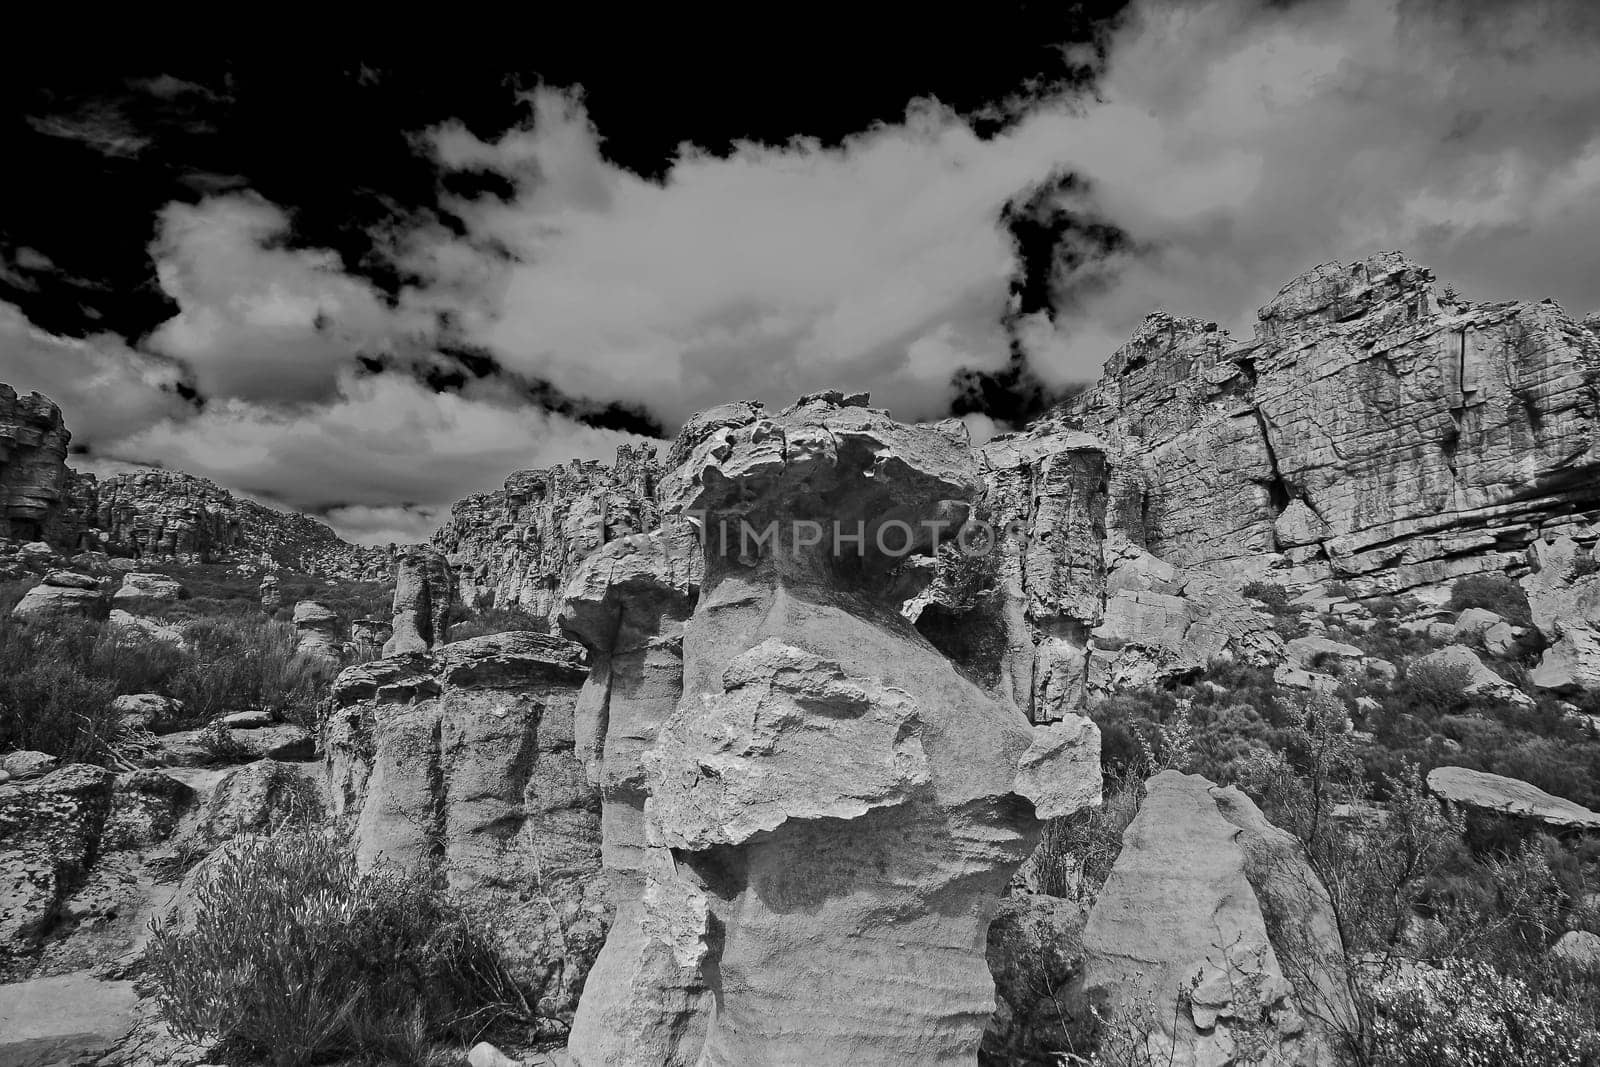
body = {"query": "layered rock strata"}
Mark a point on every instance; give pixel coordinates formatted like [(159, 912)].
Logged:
[(33, 473), (464, 763)]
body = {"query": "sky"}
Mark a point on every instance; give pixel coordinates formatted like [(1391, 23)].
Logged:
[(363, 286)]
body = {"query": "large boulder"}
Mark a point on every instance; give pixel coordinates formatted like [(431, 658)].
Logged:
[(140, 592), (318, 627), (840, 802), (62, 595), (257, 798), (1212, 935), (1566, 608), (1482, 791), (464, 763), (1481, 681)]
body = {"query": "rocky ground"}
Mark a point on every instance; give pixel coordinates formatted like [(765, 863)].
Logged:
[(1263, 729)]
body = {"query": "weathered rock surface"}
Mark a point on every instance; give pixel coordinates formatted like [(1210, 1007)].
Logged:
[(257, 798), (840, 802), (1509, 796), (1580, 948), (423, 588), (33, 455), (140, 592), (464, 762), (1372, 429), (1211, 934), (318, 626), (1035, 952), (1566, 609), (62, 595), (518, 546)]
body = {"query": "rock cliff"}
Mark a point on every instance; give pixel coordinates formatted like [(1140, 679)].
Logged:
[(33, 472)]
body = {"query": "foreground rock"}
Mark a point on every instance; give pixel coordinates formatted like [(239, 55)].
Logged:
[(842, 804), (1483, 791), (1212, 936), (464, 762)]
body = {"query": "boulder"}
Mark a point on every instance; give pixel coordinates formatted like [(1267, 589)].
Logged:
[(49, 834), (271, 594), (1499, 639), (1566, 609), (257, 798), (69, 580), (1481, 681), (47, 601), (1035, 952), (1483, 791), (423, 589), (148, 711), (147, 628), (464, 764), (1475, 621), (1212, 935), (140, 592), (27, 764), (1579, 948)]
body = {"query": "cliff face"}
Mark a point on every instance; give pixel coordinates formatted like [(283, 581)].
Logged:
[(33, 472), (1376, 429), (516, 547)]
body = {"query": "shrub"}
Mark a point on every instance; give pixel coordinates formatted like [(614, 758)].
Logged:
[(294, 956), (1493, 592), (1275, 597), (497, 621), (249, 663), (1467, 1012), (1075, 853)]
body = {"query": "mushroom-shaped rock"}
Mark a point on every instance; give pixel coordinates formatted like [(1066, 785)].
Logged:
[(142, 591), (423, 587), (840, 801), (1509, 796), (318, 625)]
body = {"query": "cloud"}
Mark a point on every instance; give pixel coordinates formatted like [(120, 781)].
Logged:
[(384, 442), (1240, 143), (106, 390), (879, 264), (258, 320)]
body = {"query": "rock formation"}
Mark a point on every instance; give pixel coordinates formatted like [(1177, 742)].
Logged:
[(1496, 793), (1564, 597), (464, 762), (33, 455), (834, 808), (63, 594), (318, 626), (517, 547), (423, 587), (271, 595), (140, 592), (1212, 936)]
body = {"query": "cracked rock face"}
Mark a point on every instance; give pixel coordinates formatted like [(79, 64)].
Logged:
[(464, 762), (33, 470), (423, 587), (1566, 609), (831, 810)]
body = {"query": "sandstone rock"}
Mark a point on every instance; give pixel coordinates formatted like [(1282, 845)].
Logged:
[(423, 588), (518, 547), (140, 592), (246, 720), (26, 764), (147, 627), (1476, 620), (1480, 679), (484, 1054), (1499, 639), (69, 580), (49, 831), (148, 711), (1225, 452), (1060, 772), (47, 601), (1035, 952), (1566, 609), (369, 636), (271, 594), (1509, 796), (838, 797), (627, 603), (217, 743), (464, 763), (318, 626), (258, 798), (33, 453), (1580, 948), (1186, 911)]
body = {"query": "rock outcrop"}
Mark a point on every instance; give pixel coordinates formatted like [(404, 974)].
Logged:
[(1212, 936), (518, 546), (141, 592), (1374, 429), (318, 626), (464, 762), (1482, 791), (33, 473), (1564, 598), (423, 587), (840, 807)]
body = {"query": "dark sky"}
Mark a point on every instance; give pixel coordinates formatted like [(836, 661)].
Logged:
[(363, 283)]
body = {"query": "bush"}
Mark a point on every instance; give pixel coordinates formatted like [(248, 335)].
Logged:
[(1275, 597), (497, 621), (1467, 1012), (1493, 592), (239, 663), (293, 956)]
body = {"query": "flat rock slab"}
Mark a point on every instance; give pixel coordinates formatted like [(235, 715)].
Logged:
[(1509, 796), (55, 1020)]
